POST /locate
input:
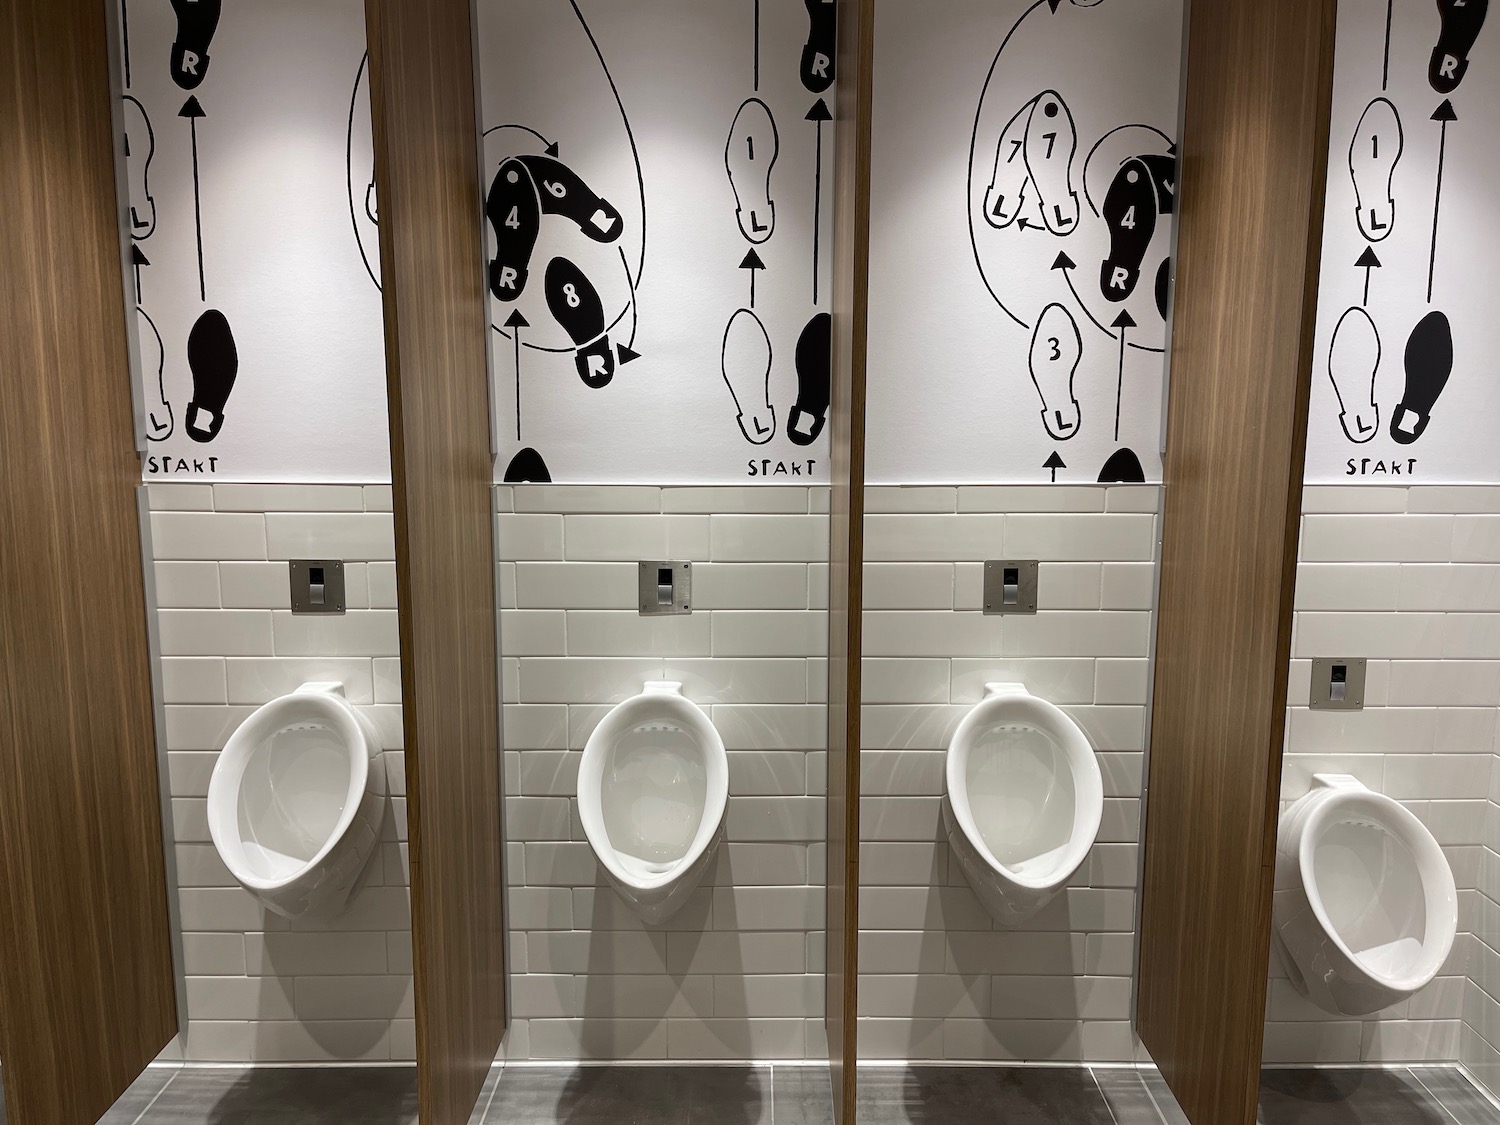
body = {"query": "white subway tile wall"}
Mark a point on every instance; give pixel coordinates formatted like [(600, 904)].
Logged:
[(737, 974), (939, 981), (1408, 578), (261, 988)]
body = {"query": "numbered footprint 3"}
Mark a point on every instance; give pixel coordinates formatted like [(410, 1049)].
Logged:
[(1056, 349)]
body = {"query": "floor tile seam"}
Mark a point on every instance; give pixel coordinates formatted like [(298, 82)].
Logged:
[(156, 1097)]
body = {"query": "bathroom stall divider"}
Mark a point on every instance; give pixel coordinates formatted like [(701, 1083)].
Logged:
[(851, 302), (427, 175), (87, 989), (1255, 156)]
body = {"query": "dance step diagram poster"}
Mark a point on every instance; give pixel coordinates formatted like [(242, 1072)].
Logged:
[(1403, 382), (658, 226), (1025, 193), (259, 334)]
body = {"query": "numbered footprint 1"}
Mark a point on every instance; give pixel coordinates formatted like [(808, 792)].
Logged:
[(822, 45), (564, 193), (814, 381), (576, 307), (515, 215), (1051, 143), (1130, 210), (1353, 363), (1429, 364), (1005, 197), (754, 144), (1373, 156), (1056, 349)]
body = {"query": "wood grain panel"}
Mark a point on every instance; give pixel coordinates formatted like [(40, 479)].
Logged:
[(86, 978), (431, 246), (851, 275), (1255, 147)]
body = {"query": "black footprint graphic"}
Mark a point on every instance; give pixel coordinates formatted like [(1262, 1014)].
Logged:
[(215, 364), (1130, 209), (1123, 468), (197, 20), (576, 306), (564, 193), (515, 215), (1164, 287), (814, 381), (822, 45), (1429, 363), (1164, 177), (527, 467), (1462, 21)]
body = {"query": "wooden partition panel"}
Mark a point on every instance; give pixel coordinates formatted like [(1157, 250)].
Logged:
[(86, 980), (1255, 149), (431, 247), (851, 274)]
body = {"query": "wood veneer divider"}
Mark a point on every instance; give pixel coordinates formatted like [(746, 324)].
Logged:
[(422, 83), (851, 275), (87, 994), (1255, 157)]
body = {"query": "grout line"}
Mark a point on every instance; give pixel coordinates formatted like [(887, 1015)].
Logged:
[(1108, 1108), (1434, 1095), (151, 1104)]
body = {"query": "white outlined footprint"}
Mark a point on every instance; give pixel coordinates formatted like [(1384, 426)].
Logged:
[(140, 150), (1353, 363), (1056, 349), (1373, 155), (747, 373), (1005, 199), (754, 144), (1051, 144), (159, 421)]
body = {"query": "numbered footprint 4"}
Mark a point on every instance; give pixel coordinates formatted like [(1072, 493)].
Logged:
[(1130, 210), (515, 215)]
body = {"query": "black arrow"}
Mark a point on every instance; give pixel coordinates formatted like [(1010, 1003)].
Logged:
[(752, 263), (1124, 322), (1444, 113), (1367, 262), (192, 109), (626, 354), (552, 150), (1054, 463), (517, 322), (137, 260), (818, 114), (1054, 5), (757, 46), (1385, 74)]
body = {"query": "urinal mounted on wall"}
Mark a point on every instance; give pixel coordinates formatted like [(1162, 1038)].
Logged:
[(653, 789), (1022, 800), (296, 801)]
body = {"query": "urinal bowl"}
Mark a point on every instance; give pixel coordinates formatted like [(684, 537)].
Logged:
[(1022, 801), (296, 801), (1365, 909), (653, 789)]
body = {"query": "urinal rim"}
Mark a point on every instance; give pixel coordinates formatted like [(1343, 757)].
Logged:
[(360, 745), (1074, 746), (1330, 807), (656, 697)]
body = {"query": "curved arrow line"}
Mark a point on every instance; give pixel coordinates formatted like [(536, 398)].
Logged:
[(973, 152), (524, 128), (626, 311), (1089, 159), (349, 172), (640, 176)]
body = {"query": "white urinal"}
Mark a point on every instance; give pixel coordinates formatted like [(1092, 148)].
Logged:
[(1365, 909), (296, 801), (653, 788), (1022, 800)]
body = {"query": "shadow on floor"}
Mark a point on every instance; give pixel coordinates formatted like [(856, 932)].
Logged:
[(710, 1095), (1418, 1096), (284, 1096)]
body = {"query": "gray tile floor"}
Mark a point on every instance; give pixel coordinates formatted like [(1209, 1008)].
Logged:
[(786, 1095)]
